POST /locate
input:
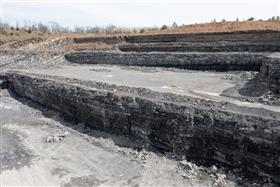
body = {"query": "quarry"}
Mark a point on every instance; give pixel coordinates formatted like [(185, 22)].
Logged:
[(198, 109)]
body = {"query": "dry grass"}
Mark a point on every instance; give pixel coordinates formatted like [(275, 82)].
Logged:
[(7, 36), (90, 46), (13, 35), (231, 26)]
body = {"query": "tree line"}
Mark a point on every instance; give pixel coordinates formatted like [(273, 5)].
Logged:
[(53, 27)]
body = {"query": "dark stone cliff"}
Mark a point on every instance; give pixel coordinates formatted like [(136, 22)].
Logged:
[(248, 36), (270, 74), (193, 61), (202, 47), (200, 129)]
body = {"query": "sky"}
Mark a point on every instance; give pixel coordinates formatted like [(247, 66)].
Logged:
[(134, 13)]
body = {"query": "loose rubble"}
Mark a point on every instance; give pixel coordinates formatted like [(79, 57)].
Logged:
[(56, 138)]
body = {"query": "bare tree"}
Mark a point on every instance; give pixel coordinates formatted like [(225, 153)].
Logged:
[(164, 27), (79, 29), (4, 26), (110, 29), (17, 25), (54, 27), (43, 28), (251, 19)]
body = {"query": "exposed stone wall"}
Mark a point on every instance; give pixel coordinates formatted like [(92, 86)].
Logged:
[(3, 81), (106, 40), (270, 74), (199, 129), (202, 47), (194, 61), (250, 36)]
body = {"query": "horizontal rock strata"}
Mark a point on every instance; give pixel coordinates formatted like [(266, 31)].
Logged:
[(233, 135), (270, 74), (202, 47), (249, 36), (107, 40), (193, 61)]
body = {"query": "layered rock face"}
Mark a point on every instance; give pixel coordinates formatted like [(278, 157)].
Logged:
[(270, 74), (200, 129), (193, 61), (250, 36), (252, 41), (106, 40), (202, 47), (203, 51)]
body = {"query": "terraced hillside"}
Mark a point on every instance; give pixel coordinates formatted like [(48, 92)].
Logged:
[(208, 103)]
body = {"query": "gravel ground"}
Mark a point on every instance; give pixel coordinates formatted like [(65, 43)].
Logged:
[(44, 54)]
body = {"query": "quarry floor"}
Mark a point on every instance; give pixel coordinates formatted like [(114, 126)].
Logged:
[(40, 148), (215, 86)]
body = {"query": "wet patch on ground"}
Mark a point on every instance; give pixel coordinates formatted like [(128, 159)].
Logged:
[(14, 155), (86, 181), (60, 172)]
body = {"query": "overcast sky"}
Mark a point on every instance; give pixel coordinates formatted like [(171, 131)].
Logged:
[(135, 13)]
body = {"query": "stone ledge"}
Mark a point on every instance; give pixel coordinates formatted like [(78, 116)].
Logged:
[(193, 61), (270, 74), (201, 47), (210, 133)]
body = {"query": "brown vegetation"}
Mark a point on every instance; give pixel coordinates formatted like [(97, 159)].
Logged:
[(90, 46), (9, 33), (229, 26)]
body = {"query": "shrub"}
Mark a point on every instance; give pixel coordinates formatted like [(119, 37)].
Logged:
[(29, 30), (174, 25), (142, 30), (251, 19), (164, 27)]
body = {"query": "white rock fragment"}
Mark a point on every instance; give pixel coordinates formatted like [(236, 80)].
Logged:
[(213, 169), (185, 175), (186, 164), (56, 138)]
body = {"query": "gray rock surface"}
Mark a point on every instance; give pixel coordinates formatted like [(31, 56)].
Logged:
[(106, 40), (193, 61), (247, 36), (202, 47), (199, 129), (270, 74)]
